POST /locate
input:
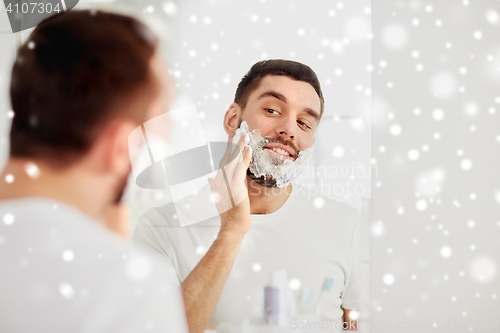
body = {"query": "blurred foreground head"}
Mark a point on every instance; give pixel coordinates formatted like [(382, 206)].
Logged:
[(76, 74), (81, 83)]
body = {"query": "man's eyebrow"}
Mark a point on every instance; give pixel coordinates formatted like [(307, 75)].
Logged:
[(312, 113), (274, 94)]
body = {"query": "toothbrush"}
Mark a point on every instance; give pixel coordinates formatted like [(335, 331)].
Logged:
[(327, 286)]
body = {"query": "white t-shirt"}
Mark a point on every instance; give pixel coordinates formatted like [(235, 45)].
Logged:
[(61, 271), (310, 236)]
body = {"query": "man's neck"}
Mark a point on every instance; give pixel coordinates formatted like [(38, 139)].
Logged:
[(68, 185), (266, 200)]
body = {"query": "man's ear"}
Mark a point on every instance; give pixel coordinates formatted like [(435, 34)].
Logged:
[(232, 119), (114, 147)]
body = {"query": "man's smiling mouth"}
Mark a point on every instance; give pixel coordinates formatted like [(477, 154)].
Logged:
[(280, 152)]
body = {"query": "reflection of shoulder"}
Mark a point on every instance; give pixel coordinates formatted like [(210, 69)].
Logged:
[(193, 207), (343, 207), (162, 215), (320, 205), (315, 198)]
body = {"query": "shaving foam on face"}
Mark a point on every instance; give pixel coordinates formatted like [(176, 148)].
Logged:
[(276, 171)]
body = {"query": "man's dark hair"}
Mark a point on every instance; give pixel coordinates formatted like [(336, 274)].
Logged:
[(293, 69), (76, 72)]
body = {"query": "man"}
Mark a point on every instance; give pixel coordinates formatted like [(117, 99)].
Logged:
[(224, 263), (80, 84)]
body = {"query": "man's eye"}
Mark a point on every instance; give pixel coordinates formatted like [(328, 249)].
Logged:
[(272, 111), (301, 123)]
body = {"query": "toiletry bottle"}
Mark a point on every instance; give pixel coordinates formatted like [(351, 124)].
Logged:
[(325, 289), (275, 299)]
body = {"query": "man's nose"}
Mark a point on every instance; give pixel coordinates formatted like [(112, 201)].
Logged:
[(287, 128)]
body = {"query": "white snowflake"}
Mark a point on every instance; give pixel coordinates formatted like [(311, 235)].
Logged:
[(388, 279), (9, 178), (8, 218), (445, 251)]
